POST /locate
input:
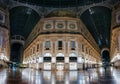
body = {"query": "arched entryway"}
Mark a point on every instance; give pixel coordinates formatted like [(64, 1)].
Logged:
[(105, 57), (72, 61), (60, 61), (16, 52), (47, 61)]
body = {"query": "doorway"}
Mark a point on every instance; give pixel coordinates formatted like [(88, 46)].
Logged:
[(60, 63)]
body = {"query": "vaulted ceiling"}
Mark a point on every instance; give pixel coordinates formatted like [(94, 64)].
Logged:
[(22, 20), (98, 21), (60, 3), (96, 18)]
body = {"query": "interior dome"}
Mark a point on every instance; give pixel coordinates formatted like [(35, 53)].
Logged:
[(60, 13)]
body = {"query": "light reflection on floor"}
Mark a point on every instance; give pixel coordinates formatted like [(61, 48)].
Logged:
[(32, 76)]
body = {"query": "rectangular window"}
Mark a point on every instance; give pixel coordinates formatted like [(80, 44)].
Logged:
[(59, 45), (33, 50), (60, 59), (86, 50), (28, 54), (41, 46), (47, 59), (82, 47), (72, 45), (47, 45), (37, 47), (72, 59)]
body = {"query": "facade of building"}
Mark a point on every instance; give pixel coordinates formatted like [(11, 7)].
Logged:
[(4, 37), (115, 36), (61, 43)]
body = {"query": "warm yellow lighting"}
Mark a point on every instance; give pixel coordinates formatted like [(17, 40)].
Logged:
[(80, 60), (37, 66), (53, 60), (66, 59), (115, 58)]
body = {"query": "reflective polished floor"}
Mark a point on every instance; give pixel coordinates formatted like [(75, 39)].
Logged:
[(32, 76)]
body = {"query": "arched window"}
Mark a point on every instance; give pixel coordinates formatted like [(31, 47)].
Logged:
[(60, 55), (47, 55), (72, 57)]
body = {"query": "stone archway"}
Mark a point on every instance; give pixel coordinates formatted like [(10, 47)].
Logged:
[(105, 57), (47, 61), (60, 61), (73, 61)]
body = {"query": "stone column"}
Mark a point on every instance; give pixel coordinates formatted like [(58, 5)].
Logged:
[(66, 56), (53, 55)]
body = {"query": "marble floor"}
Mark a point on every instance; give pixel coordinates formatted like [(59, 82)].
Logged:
[(32, 76)]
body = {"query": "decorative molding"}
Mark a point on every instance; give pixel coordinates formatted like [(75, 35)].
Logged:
[(48, 25)]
